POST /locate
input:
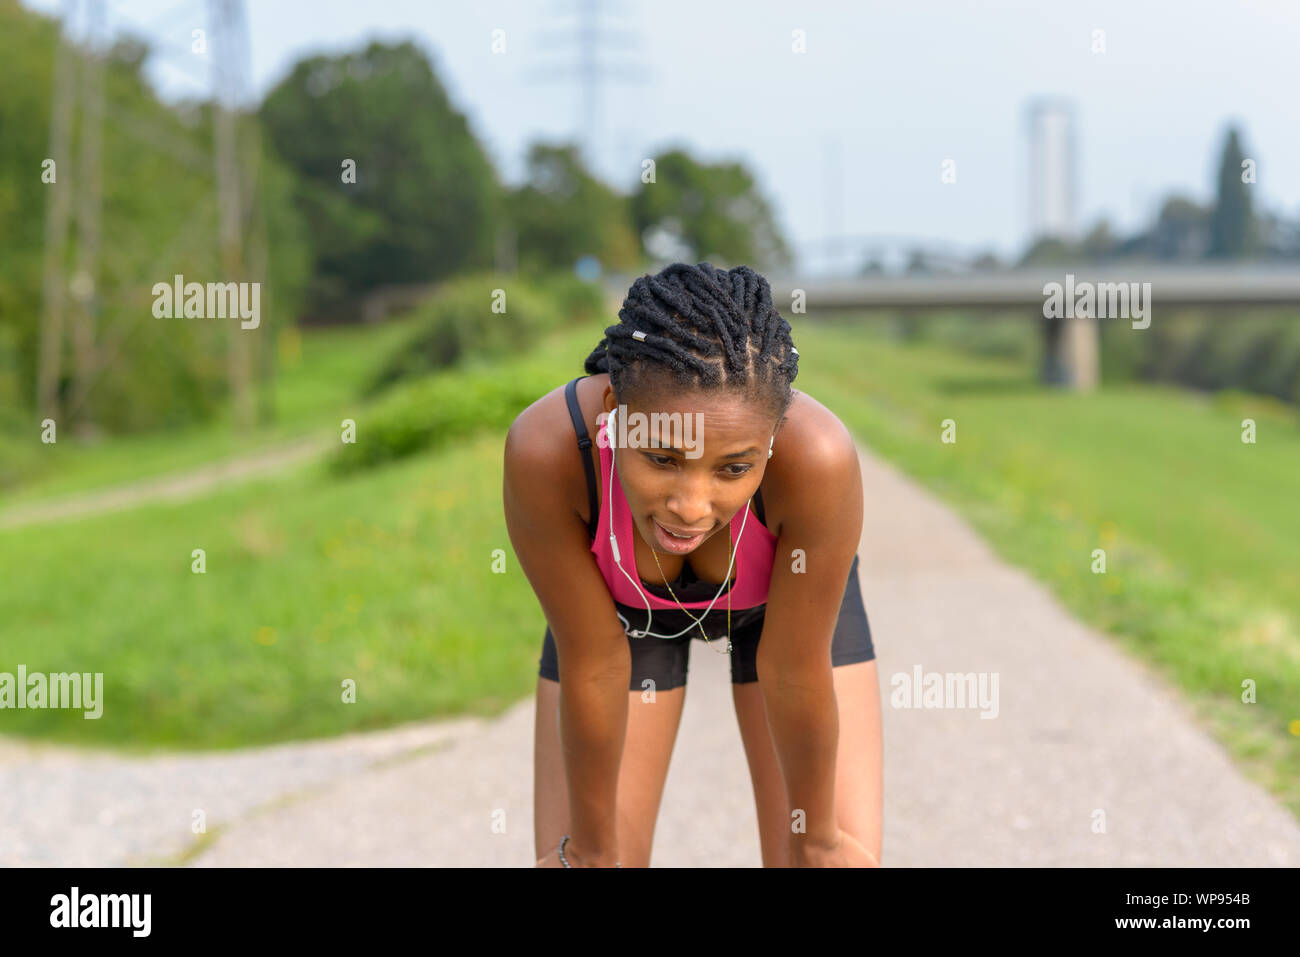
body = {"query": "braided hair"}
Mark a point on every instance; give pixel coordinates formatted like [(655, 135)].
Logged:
[(700, 327)]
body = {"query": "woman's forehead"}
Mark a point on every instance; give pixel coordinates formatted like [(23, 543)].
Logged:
[(729, 415)]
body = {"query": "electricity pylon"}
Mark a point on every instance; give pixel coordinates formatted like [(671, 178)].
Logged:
[(79, 88), (229, 72), (67, 180)]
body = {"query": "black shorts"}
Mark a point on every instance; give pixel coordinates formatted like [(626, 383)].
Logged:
[(664, 660)]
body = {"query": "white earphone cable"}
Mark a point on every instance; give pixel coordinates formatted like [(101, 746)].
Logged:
[(613, 543)]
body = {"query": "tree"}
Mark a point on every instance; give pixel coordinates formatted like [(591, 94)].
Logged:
[(1181, 231), (715, 211), (1049, 251), (1099, 243), (562, 212), (918, 263), (1232, 219), (423, 201)]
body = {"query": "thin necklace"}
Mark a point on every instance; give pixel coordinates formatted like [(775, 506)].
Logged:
[(699, 621)]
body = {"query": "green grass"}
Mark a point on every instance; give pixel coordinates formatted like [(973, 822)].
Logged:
[(319, 376), (385, 579)]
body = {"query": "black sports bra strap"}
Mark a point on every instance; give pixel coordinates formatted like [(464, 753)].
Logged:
[(584, 444), (758, 505)]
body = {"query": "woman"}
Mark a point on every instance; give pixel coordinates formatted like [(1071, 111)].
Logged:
[(628, 570)]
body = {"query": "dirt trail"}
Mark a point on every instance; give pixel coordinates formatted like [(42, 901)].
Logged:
[(175, 487)]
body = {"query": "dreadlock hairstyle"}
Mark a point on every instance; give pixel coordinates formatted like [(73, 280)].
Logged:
[(699, 326)]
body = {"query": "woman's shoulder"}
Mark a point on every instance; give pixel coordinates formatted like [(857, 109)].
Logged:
[(814, 434), (541, 448), (814, 462), (532, 437)]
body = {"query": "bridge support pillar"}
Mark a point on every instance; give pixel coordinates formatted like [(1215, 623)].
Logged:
[(1071, 353)]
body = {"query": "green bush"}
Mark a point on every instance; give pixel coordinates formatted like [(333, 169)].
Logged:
[(1257, 353), (458, 322), (19, 456), (432, 411), (999, 336), (577, 299)]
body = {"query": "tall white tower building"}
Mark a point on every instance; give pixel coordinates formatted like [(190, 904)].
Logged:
[(1052, 169)]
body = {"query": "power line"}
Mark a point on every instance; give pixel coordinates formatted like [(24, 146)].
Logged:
[(589, 37)]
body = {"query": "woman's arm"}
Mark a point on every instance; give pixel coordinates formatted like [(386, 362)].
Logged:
[(552, 544), (824, 520)]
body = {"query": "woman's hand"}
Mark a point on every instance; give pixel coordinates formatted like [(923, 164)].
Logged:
[(848, 852)]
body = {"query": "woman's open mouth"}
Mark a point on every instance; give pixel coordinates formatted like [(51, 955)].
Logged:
[(671, 542)]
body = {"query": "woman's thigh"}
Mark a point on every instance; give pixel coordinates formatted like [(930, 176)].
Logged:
[(859, 772), (858, 768)]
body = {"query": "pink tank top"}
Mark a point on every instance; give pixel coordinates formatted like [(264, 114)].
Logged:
[(753, 563)]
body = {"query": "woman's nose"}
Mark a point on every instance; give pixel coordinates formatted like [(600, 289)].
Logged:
[(691, 504)]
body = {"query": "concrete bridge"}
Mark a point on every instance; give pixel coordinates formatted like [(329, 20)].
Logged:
[(1068, 301)]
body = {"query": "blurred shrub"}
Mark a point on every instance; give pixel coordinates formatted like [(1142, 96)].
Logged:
[(1005, 337), (1254, 352), (1121, 348), (432, 411), (458, 322), (577, 299), (19, 456)]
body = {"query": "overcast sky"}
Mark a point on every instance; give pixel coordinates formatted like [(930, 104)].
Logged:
[(851, 135)]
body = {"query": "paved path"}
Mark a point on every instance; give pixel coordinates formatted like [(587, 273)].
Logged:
[(1080, 727)]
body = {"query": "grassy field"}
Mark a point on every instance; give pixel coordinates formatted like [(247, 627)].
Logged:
[(386, 577)]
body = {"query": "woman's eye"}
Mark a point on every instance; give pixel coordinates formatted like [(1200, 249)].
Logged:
[(731, 471)]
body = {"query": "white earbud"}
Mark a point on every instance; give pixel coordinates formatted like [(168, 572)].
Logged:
[(769, 446)]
